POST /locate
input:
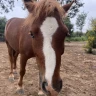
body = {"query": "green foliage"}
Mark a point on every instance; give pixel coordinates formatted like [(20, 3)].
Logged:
[(69, 25), (74, 9), (91, 41), (92, 34), (81, 21), (78, 34), (93, 24), (82, 38), (91, 37), (2, 24)]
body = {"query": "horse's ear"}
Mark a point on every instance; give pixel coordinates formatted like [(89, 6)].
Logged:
[(67, 6), (29, 4)]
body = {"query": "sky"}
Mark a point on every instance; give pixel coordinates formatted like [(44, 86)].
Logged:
[(89, 8)]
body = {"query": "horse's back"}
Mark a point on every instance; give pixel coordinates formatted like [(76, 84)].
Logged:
[(12, 32)]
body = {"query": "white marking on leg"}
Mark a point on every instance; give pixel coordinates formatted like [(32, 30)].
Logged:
[(11, 77), (48, 28)]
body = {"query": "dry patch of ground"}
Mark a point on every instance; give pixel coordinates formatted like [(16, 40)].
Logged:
[(78, 72)]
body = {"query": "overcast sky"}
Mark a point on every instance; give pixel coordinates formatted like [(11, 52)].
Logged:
[(89, 7)]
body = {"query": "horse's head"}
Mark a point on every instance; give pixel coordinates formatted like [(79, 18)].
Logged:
[(48, 34)]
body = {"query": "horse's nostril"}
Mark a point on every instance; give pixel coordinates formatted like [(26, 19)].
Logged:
[(44, 84), (58, 85)]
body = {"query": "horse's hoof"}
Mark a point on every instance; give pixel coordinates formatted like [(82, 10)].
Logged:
[(20, 91), (11, 78), (40, 93)]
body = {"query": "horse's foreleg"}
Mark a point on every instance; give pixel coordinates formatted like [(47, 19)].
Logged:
[(15, 59), (23, 61), (11, 76), (11, 51)]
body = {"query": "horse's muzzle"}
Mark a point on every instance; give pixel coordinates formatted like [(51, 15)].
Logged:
[(51, 90)]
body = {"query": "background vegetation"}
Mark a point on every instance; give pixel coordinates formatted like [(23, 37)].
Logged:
[(89, 36), (3, 21), (8, 5)]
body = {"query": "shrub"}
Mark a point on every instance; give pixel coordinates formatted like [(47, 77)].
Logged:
[(91, 41)]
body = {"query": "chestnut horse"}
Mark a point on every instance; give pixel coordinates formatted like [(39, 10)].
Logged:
[(40, 35)]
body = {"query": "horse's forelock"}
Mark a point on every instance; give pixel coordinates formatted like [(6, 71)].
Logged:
[(45, 7), (48, 7)]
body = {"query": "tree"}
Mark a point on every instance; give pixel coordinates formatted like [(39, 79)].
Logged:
[(81, 21), (74, 9), (93, 24), (7, 5), (69, 25), (91, 36), (2, 27), (3, 21), (93, 28)]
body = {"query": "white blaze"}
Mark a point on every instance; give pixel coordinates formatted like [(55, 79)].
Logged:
[(48, 28)]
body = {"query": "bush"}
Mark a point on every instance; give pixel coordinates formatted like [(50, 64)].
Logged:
[(91, 41)]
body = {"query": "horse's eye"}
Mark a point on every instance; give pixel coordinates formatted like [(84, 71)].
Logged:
[(32, 35)]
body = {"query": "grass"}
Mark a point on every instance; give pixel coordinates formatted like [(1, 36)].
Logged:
[(82, 38)]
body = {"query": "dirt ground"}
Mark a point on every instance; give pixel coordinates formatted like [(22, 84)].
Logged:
[(78, 72)]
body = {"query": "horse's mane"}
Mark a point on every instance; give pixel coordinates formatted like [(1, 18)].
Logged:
[(45, 7)]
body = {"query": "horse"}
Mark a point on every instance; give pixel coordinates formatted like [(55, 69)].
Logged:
[(40, 35)]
